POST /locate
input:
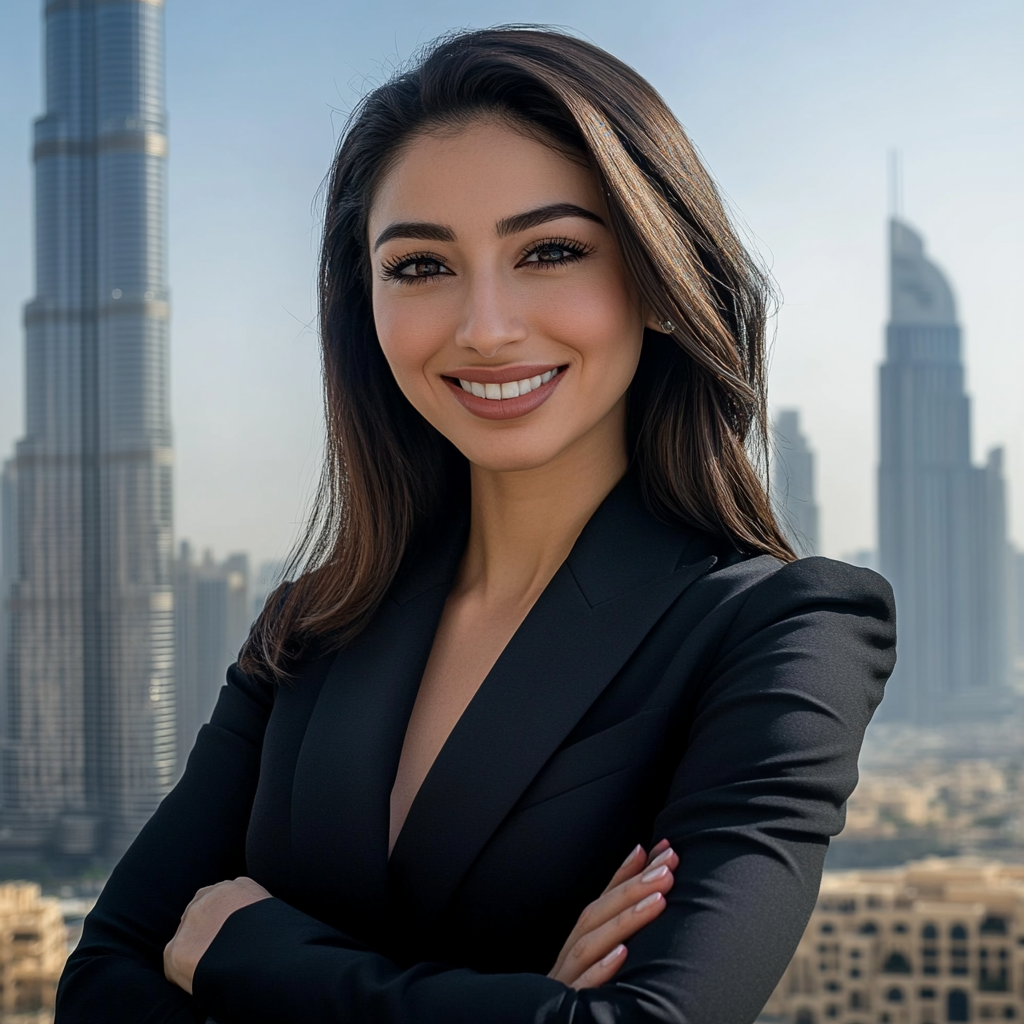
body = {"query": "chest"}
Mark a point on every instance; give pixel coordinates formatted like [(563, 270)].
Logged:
[(469, 639), (555, 768)]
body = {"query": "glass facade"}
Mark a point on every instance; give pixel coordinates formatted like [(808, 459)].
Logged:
[(942, 520), (90, 724)]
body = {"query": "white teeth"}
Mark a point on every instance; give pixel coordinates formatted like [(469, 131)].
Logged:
[(513, 389)]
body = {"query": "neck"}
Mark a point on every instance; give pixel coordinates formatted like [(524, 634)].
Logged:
[(524, 522)]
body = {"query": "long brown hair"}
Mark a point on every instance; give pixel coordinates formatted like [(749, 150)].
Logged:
[(697, 405)]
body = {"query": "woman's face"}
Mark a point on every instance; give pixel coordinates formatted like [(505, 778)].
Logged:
[(500, 298)]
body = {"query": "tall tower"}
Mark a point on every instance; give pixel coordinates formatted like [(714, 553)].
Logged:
[(942, 523), (793, 483), (90, 742)]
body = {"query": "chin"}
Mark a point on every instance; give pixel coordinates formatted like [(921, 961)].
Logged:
[(511, 459)]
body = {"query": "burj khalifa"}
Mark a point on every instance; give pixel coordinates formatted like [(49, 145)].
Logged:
[(89, 740)]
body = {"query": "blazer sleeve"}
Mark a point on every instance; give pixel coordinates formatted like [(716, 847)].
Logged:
[(771, 757), (196, 837)]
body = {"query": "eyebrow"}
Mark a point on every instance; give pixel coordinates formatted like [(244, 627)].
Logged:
[(428, 232)]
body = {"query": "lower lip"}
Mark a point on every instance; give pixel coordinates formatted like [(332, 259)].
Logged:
[(504, 408)]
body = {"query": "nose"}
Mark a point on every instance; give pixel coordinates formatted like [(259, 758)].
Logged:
[(490, 317)]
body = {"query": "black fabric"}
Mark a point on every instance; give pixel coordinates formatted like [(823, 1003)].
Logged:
[(662, 686)]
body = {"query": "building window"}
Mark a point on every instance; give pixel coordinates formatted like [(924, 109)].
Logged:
[(868, 928), (894, 995), (993, 925), (1009, 1012), (827, 929), (896, 963), (958, 960), (832, 986), (856, 1001), (929, 932), (957, 1007), (854, 972), (958, 933), (804, 1016), (993, 979), (900, 928)]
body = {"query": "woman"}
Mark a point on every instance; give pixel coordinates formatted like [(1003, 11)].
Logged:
[(546, 615)]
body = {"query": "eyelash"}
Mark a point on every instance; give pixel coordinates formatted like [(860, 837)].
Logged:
[(574, 251)]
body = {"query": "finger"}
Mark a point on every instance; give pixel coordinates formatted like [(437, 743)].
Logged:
[(657, 850), (598, 942), (614, 900), (603, 971), (658, 876), (630, 866)]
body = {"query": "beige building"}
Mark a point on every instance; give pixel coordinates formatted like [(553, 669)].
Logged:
[(33, 948), (932, 942)]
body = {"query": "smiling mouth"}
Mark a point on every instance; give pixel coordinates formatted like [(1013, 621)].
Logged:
[(510, 389)]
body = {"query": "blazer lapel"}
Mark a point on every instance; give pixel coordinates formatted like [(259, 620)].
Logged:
[(624, 572), (349, 755)]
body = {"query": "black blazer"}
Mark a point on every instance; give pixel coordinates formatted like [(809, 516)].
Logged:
[(662, 686)]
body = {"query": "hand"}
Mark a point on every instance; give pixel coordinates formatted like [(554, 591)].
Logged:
[(635, 896), (203, 918)]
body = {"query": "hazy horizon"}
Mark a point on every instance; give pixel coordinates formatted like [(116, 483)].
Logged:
[(794, 107)]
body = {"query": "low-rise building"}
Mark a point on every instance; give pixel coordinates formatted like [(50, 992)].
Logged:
[(33, 949), (932, 942)]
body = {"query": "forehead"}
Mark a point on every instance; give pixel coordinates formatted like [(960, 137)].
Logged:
[(478, 175)]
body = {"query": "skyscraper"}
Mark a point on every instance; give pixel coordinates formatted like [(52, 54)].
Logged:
[(941, 520), (793, 483), (90, 743), (212, 614)]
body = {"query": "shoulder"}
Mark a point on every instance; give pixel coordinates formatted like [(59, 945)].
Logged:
[(760, 585)]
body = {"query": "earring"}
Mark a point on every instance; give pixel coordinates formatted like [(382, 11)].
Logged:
[(667, 326)]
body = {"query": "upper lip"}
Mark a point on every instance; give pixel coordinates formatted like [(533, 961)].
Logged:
[(501, 374)]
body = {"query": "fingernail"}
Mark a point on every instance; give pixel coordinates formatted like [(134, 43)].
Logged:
[(662, 857), (657, 873), (632, 854), (648, 901), (613, 955)]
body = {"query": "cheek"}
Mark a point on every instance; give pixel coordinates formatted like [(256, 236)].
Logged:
[(600, 321), (409, 337)]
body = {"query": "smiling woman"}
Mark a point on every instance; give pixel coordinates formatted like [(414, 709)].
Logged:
[(542, 618)]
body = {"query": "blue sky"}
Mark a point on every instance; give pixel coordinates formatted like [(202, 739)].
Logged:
[(794, 105)]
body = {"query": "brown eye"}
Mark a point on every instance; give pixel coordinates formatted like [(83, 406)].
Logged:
[(552, 254), (422, 268), (415, 267), (555, 253)]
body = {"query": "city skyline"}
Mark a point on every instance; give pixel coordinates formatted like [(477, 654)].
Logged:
[(259, 101)]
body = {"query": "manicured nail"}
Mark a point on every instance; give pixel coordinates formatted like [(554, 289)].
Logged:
[(661, 858), (648, 901), (657, 873), (613, 955), (634, 852)]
